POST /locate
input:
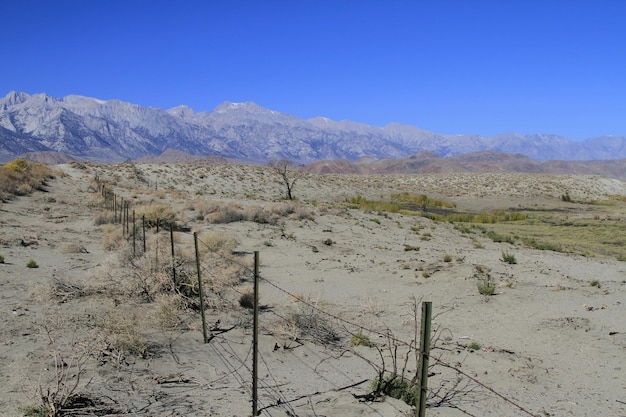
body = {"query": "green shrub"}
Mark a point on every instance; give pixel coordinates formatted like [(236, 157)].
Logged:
[(474, 345), (1, 259), (396, 387), (533, 243), (498, 238), (408, 248), (447, 258), (477, 244), (359, 339), (34, 411), (32, 264), (509, 258), (486, 286), (595, 283)]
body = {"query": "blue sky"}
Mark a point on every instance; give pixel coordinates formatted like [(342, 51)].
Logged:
[(472, 66)]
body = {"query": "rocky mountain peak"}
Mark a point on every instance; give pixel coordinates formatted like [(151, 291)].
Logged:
[(13, 98), (248, 107), (114, 130)]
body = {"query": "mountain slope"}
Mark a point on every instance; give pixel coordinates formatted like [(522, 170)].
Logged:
[(88, 128)]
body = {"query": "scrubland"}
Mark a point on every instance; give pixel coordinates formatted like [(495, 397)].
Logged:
[(525, 273)]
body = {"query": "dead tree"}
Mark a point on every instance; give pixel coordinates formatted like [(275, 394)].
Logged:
[(288, 175)]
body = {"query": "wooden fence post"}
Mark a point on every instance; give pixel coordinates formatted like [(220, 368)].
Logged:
[(427, 311), (255, 338), (173, 254), (204, 332), (134, 235), (143, 227)]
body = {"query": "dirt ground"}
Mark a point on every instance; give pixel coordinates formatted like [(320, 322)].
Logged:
[(551, 341)]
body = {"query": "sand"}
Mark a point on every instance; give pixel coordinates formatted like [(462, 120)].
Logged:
[(548, 343)]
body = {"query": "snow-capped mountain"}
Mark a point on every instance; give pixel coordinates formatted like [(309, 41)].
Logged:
[(113, 130)]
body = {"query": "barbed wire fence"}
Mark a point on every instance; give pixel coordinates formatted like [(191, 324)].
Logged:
[(310, 322)]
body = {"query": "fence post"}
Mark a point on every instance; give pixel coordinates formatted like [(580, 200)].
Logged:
[(255, 337), (427, 310), (134, 235), (204, 333), (143, 226), (173, 255)]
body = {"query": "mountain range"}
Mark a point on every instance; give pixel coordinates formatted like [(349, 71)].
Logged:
[(112, 131)]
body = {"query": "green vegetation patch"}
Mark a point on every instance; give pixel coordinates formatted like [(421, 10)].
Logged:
[(597, 231)]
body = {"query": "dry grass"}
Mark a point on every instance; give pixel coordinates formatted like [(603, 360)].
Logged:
[(21, 177), (69, 247), (164, 214), (217, 241), (120, 329), (60, 290), (221, 212), (112, 238), (171, 311)]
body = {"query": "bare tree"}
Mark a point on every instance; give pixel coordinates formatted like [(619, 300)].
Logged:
[(288, 174)]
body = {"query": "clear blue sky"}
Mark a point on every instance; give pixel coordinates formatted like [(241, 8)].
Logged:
[(464, 66)]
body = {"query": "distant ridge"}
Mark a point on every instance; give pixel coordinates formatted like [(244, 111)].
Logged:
[(47, 157), (487, 161), (113, 131)]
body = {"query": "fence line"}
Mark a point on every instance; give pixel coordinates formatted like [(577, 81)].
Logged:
[(111, 203)]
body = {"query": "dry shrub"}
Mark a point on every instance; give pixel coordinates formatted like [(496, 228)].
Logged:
[(69, 247), (201, 207), (112, 237), (163, 213), (223, 273), (260, 215), (221, 212), (121, 330), (171, 310), (276, 213), (59, 289), (103, 217), (21, 177), (59, 387), (302, 213), (152, 272), (217, 242), (306, 320), (246, 298)]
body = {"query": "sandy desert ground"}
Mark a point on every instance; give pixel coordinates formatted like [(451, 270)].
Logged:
[(341, 290)]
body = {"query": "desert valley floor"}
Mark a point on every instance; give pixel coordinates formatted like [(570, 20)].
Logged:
[(99, 323)]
